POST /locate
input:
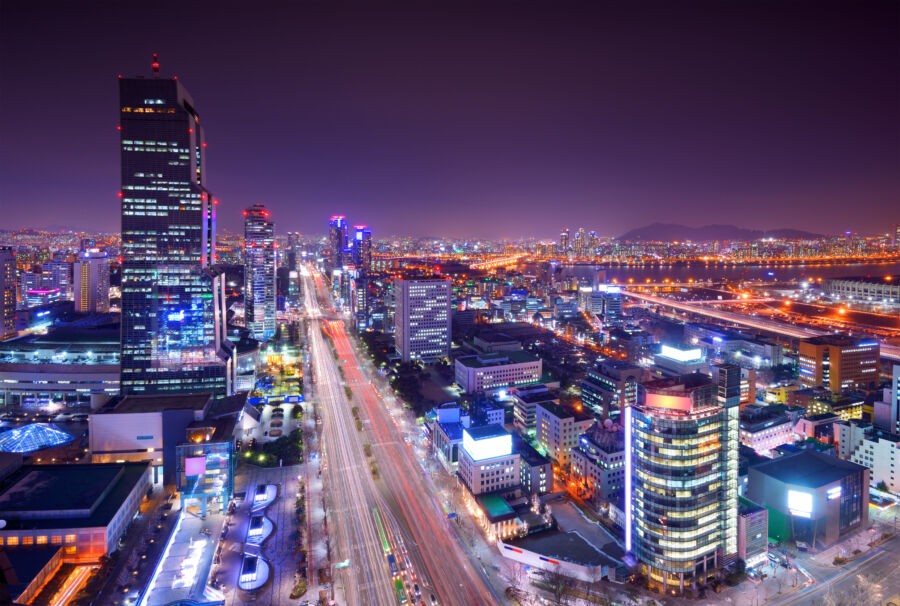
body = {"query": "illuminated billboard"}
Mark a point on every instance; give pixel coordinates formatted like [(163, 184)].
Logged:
[(800, 503), (664, 401), (682, 355), (488, 447)]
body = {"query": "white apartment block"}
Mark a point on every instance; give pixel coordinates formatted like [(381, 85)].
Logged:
[(859, 442)]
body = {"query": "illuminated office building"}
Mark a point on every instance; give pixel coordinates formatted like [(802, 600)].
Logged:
[(7, 292), (57, 274), (173, 306), (422, 318), (362, 248), (259, 272), (839, 363), (610, 386), (90, 279), (681, 478)]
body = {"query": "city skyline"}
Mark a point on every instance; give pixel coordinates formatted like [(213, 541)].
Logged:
[(540, 111)]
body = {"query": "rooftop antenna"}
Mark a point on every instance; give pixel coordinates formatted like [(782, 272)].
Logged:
[(155, 66)]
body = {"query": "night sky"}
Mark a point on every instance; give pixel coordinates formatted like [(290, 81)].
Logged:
[(457, 119)]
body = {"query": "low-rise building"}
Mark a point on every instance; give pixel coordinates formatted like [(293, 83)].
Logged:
[(762, 430), (84, 508), (598, 464), (863, 444), (610, 386), (753, 533), (535, 470), (487, 462), (557, 430), (811, 496), (525, 402), (497, 371), (677, 361)]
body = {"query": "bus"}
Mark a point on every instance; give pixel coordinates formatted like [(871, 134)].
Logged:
[(384, 541), (392, 563), (401, 592)]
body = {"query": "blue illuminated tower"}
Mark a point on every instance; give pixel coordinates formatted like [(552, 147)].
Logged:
[(173, 314), (259, 272)]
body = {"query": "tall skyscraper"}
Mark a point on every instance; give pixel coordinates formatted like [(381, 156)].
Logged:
[(362, 248), (7, 292), (91, 282), (259, 272), (681, 461), (422, 318), (337, 241), (173, 298)]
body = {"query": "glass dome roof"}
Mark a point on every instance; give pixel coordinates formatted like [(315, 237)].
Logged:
[(32, 437)]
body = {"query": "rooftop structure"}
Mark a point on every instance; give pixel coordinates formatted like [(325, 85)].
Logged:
[(32, 437)]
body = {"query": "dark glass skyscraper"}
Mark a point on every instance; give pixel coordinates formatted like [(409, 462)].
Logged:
[(337, 241), (173, 314), (362, 248), (259, 272)]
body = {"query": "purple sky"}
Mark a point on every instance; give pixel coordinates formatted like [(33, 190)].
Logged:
[(509, 121)]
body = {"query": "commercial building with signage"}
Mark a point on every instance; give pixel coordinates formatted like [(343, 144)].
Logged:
[(812, 497)]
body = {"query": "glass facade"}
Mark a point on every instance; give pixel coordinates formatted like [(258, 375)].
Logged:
[(173, 317), (205, 473), (259, 273), (681, 484)]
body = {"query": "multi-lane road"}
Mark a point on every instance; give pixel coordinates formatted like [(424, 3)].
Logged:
[(416, 530)]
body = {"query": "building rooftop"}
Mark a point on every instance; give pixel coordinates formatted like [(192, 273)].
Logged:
[(565, 546), (495, 507), (497, 359), (527, 452), (157, 403), (808, 468), (67, 496), (32, 437), (839, 341), (27, 563), (486, 431), (561, 412)]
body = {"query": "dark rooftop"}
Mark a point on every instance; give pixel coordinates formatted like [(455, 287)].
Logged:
[(808, 468), (562, 412), (51, 488), (486, 431), (565, 546), (57, 488), (527, 452), (157, 403)]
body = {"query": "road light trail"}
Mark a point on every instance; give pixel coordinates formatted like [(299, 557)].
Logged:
[(432, 545)]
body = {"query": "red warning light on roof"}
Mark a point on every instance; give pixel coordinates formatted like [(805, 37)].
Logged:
[(119, 127), (204, 144), (190, 130), (121, 195)]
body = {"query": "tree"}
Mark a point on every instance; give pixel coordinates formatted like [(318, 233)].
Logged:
[(559, 585)]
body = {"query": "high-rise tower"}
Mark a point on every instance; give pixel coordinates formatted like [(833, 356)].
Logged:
[(681, 460), (173, 312), (259, 272), (337, 241), (7, 292), (91, 282), (362, 248)]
